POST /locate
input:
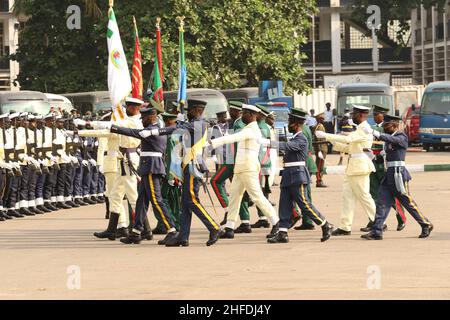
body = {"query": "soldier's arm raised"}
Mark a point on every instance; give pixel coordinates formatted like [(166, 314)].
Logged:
[(242, 135)]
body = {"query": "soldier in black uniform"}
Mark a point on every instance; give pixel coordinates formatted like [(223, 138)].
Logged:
[(151, 170), (194, 135), (395, 182), (294, 181)]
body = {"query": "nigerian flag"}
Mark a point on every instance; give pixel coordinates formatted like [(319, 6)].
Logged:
[(119, 81)]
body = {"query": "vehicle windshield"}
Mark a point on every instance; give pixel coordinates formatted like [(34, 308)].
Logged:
[(61, 105), (38, 107), (105, 105), (436, 102), (213, 106), (281, 115), (364, 100)]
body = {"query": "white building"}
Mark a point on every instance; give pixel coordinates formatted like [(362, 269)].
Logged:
[(430, 44), (9, 29)]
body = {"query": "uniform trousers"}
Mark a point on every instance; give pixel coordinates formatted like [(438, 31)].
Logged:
[(39, 191), (50, 185), (191, 204), (356, 188), (12, 183), (110, 178), (2, 187), (386, 199), (87, 179), (78, 182), (94, 181)]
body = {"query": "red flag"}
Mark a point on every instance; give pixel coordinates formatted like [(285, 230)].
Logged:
[(137, 82)]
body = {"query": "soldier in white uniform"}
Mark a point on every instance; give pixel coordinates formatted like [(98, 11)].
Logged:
[(246, 171), (356, 181)]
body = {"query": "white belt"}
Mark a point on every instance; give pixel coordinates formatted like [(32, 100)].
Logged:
[(392, 164), (358, 155), (295, 164), (151, 154)]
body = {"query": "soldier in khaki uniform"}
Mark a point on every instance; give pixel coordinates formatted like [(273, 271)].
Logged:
[(356, 181)]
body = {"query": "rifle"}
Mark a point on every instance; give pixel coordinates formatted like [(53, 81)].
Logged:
[(31, 148), (18, 172), (55, 147), (9, 153)]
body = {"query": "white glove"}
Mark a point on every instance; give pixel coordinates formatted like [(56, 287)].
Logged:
[(101, 169), (368, 130), (69, 133), (214, 158), (8, 166), (145, 133), (3, 165), (264, 142), (16, 165), (321, 134), (73, 159), (65, 158), (376, 134), (171, 182), (181, 117), (93, 162), (320, 154), (85, 163), (53, 159), (370, 154), (30, 141), (101, 124), (79, 122), (350, 122), (382, 153)]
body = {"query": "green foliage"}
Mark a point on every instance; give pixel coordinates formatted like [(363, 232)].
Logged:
[(226, 41)]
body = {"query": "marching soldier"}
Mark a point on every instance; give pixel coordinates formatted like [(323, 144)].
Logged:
[(151, 170), (294, 179), (194, 133), (44, 162), (246, 171), (5, 169), (376, 177), (65, 166), (356, 181), (321, 150), (395, 183)]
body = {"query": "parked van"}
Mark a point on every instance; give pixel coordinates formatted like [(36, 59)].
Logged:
[(58, 102), (90, 101), (24, 101)]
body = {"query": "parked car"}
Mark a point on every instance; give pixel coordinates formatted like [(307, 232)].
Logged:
[(24, 101), (411, 121)]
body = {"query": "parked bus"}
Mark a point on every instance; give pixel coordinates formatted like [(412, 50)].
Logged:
[(365, 94), (58, 102), (90, 101), (24, 101), (216, 101), (434, 129)]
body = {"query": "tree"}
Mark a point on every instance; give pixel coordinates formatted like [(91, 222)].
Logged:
[(226, 41)]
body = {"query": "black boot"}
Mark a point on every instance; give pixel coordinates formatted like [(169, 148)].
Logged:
[(401, 226), (426, 230), (44, 209), (159, 230), (213, 237), (15, 214), (1, 218), (132, 238), (274, 231), (167, 238), (261, 224), (101, 199), (227, 233), (122, 233), (62, 205), (72, 204), (243, 228), (176, 242), (89, 201), (368, 227), (50, 206), (326, 232), (280, 237), (26, 212), (340, 232), (371, 236), (147, 233), (294, 221), (80, 202), (111, 231), (35, 210), (305, 226), (107, 208), (5, 215), (224, 221)]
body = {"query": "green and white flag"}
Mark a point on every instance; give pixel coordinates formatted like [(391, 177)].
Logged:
[(119, 80)]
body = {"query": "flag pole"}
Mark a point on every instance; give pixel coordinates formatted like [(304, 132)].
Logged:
[(181, 30)]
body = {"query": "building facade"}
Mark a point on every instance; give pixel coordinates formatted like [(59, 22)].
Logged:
[(340, 47), (9, 37), (431, 44)]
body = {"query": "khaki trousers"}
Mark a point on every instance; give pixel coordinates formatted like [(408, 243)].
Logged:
[(248, 181), (119, 187), (109, 183), (356, 188)]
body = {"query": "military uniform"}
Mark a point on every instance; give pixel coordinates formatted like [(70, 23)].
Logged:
[(321, 150), (395, 184)]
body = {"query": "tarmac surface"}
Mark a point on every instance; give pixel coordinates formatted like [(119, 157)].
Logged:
[(55, 256)]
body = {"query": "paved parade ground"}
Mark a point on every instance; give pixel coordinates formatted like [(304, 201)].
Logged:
[(55, 256)]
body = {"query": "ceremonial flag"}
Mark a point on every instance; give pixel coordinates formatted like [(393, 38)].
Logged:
[(182, 84), (119, 81), (157, 88), (137, 83)]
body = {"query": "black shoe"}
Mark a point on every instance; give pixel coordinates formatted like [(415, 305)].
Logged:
[(371, 236), (72, 204), (243, 228), (35, 210), (227, 233), (176, 242), (224, 221), (147, 235), (426, 230), (62, 205), (274, 231), (384, 227), (15, 214), (261, 224), (169, 236), (159, 230), (213, 237), (111, 232), (294, 221), (305, 226), (280, 237), (326, 232), (101, 199), (51, 207), (1, 218), (89, 201), (401, 226), (340, 232), (5, 216), (132, 238), (95, 199), (122, 233), (26, 212), (44, 209), (368, 227), (80, 202)]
